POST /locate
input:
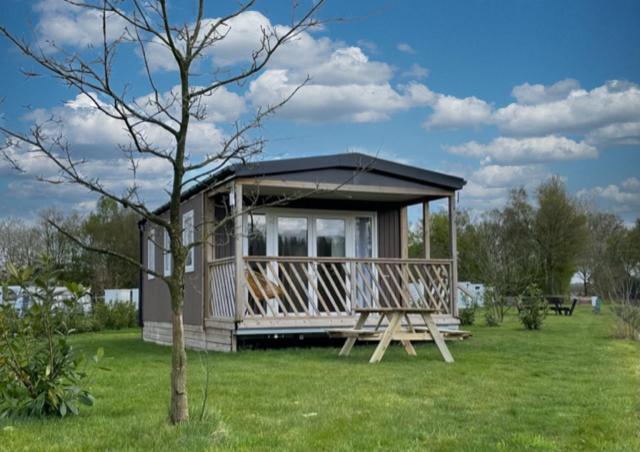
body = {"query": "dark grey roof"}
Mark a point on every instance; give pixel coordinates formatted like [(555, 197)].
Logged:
[(351, 160)]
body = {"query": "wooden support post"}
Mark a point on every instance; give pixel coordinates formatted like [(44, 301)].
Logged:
[(437, 338), (241, 293), (348, 344), (404, 233), (207, 255), (426, 230), (453, 249), (404, 254), (387, 336)]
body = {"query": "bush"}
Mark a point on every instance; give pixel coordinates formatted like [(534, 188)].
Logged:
[(467, 315), (495, 306), (628, 321), (114, 316), (40, 372), (532, 307)]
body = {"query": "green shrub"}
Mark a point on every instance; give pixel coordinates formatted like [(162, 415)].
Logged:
[(467, 315), (532, 307), (40, 372), (495, 307), (114, 316), (628, 321)]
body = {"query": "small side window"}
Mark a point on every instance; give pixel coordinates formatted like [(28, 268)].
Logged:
[(151, 252), (187, 239), (167, 253)]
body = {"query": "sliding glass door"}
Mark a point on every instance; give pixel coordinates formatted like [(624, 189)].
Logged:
[(313, 286), (330, 276), (293, 241)]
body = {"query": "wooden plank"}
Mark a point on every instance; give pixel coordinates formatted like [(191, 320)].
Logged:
[(344, 300), (348, 345), (326, 288), (282, 269), (219, 324), (387, 336), (294, 270), (437, 338), (274, 289), (426, 230), (390, 292), (336, 187), (275, 273), (407, 310), (453, 243), (240, 292), (404, 233)]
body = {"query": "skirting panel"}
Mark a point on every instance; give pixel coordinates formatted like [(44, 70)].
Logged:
[(195, 337)]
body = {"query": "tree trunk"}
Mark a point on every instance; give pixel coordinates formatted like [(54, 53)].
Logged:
[(179, 408)]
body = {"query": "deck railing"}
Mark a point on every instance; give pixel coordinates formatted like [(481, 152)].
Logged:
[(298, 287), (222, 288)]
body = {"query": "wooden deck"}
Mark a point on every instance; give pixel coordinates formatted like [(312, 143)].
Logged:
[(298, 294)]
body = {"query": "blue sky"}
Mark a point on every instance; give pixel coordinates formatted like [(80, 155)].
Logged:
[(501, 93)]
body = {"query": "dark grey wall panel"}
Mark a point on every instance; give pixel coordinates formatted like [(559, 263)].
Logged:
[(389, 233), (156, 304)]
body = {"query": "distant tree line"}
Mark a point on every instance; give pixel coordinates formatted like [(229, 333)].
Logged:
[(108, 226), (544, 243)]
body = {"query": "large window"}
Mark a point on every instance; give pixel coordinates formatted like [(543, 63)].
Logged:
[(151, 252), (257, 235), (331, 236), (187, 239), (292, 236)]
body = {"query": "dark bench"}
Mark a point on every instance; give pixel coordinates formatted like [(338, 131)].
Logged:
[(557, 304)]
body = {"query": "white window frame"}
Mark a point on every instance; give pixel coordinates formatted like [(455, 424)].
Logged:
[(188, 235), (311, 215), (272, 214), (151, 252), (167, 253)]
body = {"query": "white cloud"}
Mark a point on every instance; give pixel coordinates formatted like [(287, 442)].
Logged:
[(349, 102), (579, 112), (626, 134), (507, 175), (95, 134), (536, 149), (406, 48), (67, 25), (488, 187), (369, 46), (621, 199), (453, 112), (538, 94), (632, 184), (416, 72)]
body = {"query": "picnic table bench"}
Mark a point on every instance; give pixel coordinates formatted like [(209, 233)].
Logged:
[(394, 331), (557, 304)]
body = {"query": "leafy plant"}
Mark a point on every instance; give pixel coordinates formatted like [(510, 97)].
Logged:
[(533, 307), (40, 372), (628, 321), (467, 314), (496, 306), (114, 316)]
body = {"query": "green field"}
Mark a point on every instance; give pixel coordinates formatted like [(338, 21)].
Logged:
[(566, 387)]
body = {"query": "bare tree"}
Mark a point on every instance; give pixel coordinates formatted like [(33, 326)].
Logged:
[(147, 23), (20, 242)]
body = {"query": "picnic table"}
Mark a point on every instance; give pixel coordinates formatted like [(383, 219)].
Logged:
[(393, 331), (557, 304)]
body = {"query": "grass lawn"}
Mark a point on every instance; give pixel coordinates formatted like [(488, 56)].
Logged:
[(566, 387)]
